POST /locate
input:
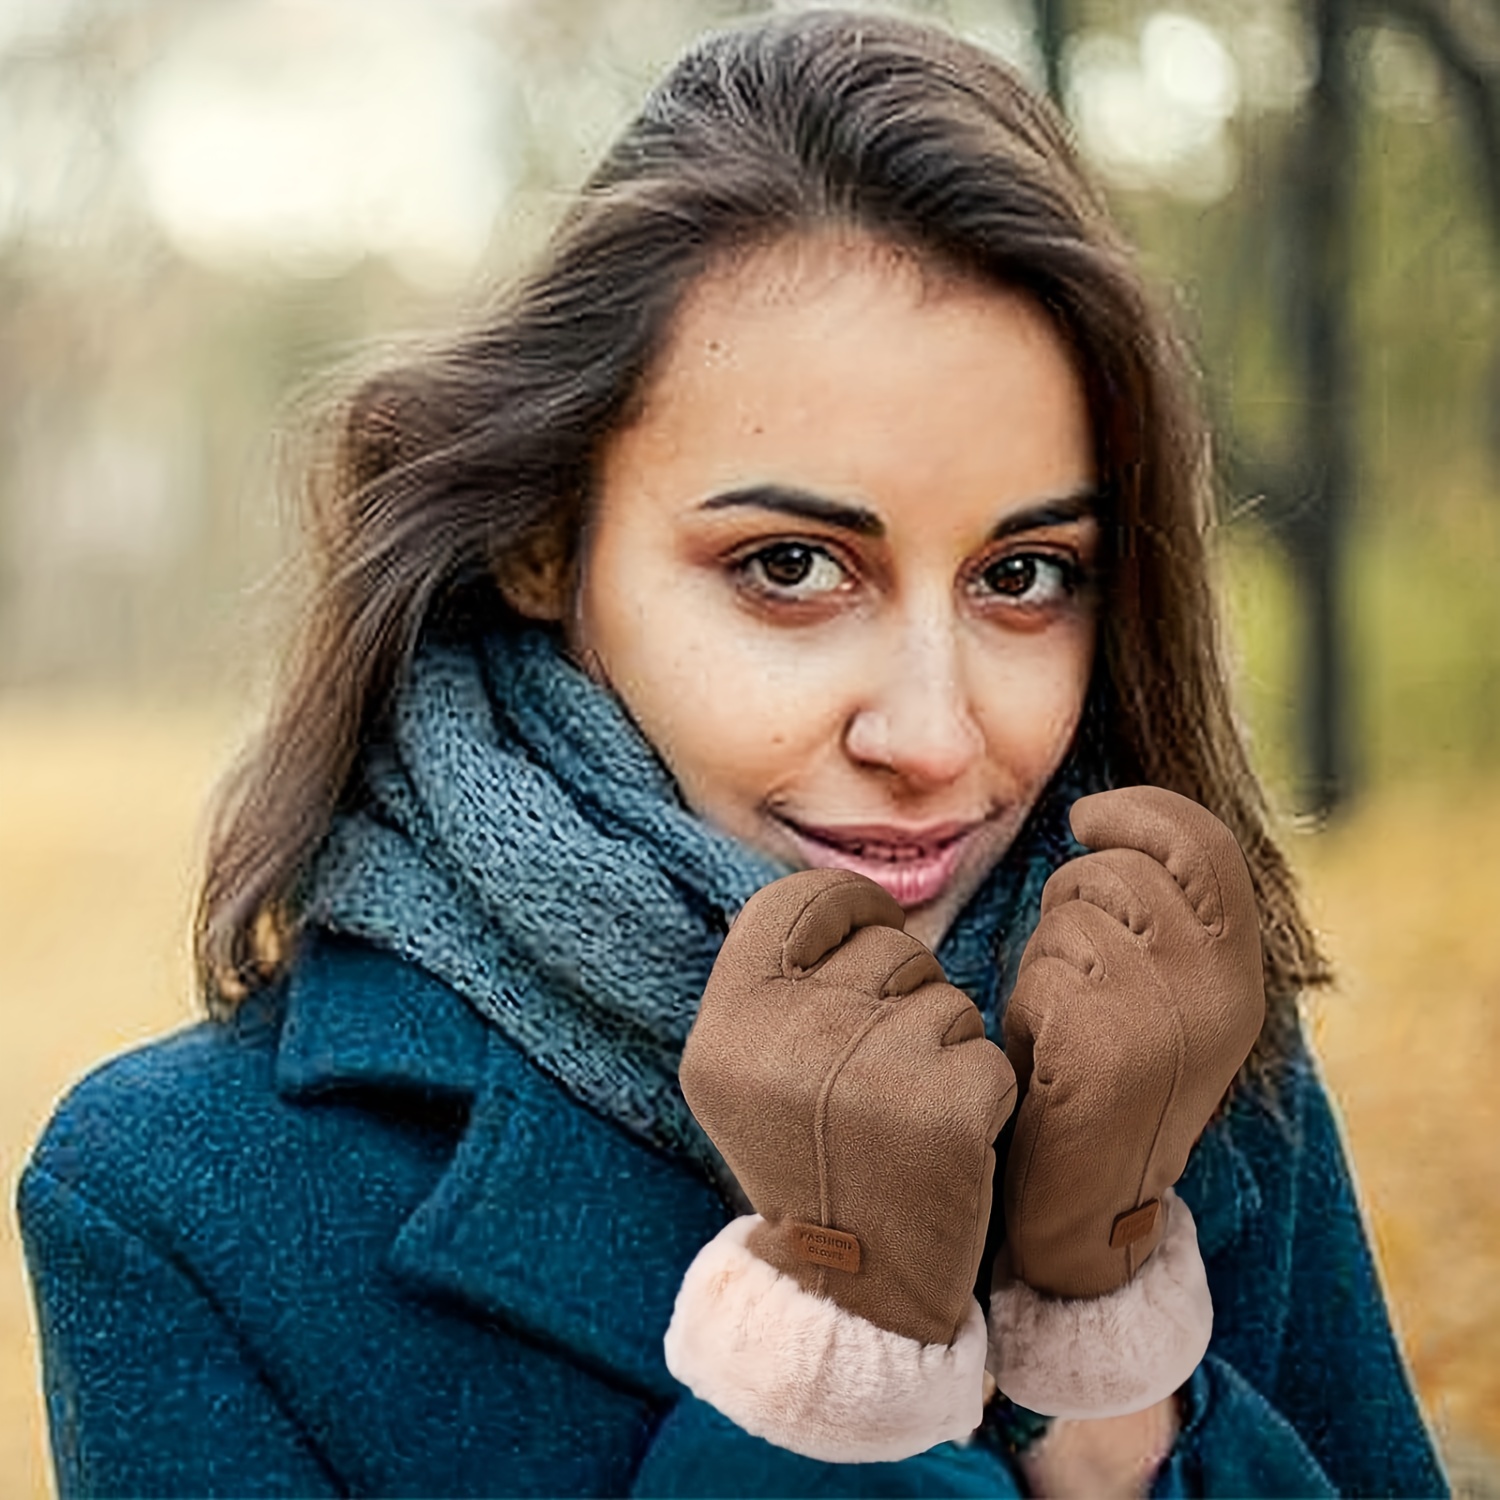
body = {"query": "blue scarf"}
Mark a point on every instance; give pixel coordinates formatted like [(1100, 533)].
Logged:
[(521, 840)]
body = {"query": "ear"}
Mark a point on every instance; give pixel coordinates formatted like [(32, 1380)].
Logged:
[(535, 577)]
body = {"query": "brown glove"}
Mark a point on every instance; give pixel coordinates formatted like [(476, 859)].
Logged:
[(854, 1095), (1138, 997)]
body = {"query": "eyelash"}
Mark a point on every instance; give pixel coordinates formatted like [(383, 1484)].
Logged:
[(1074, 577)]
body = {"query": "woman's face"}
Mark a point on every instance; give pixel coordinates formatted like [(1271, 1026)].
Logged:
[(836, 567)]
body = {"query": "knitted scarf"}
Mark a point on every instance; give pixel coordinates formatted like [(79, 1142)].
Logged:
[(520, 839)]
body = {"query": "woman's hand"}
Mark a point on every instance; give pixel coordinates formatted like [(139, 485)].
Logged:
[(1101, 1458), (854, 1095), (1138, 998)]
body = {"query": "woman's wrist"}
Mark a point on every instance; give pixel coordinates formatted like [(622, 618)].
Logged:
[(1102, 1458)]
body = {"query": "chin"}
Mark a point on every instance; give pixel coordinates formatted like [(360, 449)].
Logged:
[(928, 927)]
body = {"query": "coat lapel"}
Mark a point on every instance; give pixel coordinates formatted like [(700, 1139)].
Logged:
[(561, 1225), (359, 1019), (549, 1219)]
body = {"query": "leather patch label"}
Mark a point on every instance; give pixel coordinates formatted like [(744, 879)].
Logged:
[(1134, 1225), (825, 1247)]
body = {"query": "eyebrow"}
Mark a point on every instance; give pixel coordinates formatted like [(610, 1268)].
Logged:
[(787, 500)]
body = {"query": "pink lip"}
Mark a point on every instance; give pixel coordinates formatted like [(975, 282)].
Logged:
[(886, 833), (911, 881)]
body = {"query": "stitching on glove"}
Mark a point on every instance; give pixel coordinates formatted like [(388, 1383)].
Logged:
[(820, 1126), (1132, 1252)]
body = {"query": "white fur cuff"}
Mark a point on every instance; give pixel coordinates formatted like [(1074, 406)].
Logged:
[(1105, 1356), (801, 1372)]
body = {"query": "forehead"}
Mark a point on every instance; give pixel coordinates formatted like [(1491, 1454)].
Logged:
[(857, 367), (818, 277), (791, 297)]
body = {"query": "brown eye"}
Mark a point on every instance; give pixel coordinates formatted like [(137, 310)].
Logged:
[(1034, 577), (789, 566), (1012, 575)]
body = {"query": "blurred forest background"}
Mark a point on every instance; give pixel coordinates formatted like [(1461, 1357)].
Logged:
[(205, 208)]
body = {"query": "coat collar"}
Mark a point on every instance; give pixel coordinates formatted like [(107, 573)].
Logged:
[(548, 1218), (359, 1018)]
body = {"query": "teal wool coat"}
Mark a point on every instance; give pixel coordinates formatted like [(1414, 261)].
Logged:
[(354, 1243)]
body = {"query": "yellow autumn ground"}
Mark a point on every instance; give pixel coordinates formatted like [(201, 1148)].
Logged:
[(99, 816)]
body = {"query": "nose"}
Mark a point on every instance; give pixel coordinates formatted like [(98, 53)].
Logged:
[(917, 718)]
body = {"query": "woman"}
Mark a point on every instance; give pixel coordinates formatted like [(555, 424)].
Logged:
[(829, 497)]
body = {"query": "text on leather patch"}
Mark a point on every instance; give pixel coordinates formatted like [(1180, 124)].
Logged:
[(1134, 1225), (826, 1247)]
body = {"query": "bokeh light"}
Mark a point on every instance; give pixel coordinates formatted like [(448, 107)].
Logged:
[(296, 137)]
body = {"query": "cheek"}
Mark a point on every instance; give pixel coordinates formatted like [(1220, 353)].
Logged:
[(1033, 700), (725, 705), (742, 717)]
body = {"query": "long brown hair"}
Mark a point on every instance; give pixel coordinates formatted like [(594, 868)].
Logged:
[(477, 458)]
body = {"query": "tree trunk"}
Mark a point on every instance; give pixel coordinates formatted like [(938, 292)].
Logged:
[(1315, 531), (1051, 32)]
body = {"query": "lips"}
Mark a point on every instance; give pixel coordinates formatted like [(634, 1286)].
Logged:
[(914, 866), (882, 840)]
